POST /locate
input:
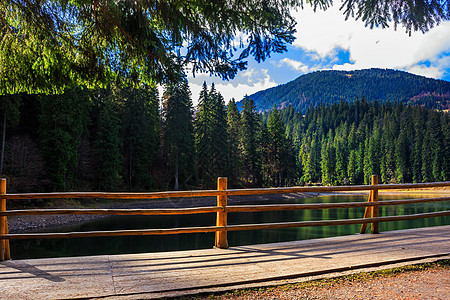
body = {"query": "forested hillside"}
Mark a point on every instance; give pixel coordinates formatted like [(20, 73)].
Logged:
[(374, 84), (346, 143), (125, 140)]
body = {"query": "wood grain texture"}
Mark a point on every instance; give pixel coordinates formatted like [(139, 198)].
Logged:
[(213, 209), (4, 244), (221, 240), (229, 192), (375, 210)]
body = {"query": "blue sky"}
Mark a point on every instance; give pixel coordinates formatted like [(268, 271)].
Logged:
[(325, 41)]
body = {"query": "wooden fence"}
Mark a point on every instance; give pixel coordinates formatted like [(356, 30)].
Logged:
[(371, 214)]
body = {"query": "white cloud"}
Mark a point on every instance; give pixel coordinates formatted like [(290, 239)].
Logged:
[(325, 31), (297, 65), (433, 72), (257, 80)]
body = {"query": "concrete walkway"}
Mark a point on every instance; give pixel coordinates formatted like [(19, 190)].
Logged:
[(153, 275)]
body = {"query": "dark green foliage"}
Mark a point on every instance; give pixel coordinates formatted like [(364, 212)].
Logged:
[(250, 137), (279, 157), (10, 115), (140, 122), (178, 132), (400, 143), (220, 135), (63, 121), (10, 105), (107, 141), (48, 46), (330, 87), (234, 127), (211, 138), (203, 133), (89, 140)]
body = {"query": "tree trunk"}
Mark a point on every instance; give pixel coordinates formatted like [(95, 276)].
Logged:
[(175, 187), (3, 143)]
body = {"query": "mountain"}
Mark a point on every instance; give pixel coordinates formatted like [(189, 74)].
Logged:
[(373, 84)]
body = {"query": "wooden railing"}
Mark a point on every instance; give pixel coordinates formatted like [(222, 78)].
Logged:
[(222, 209)]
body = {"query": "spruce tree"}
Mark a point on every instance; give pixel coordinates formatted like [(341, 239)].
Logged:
[(107, 141), (10, 115), (280, 152), (249, 143), (402, 157), (219, 138), (234, 125), (140, 121), (63, 121), (203, 142), (211, 136), (178, 132)]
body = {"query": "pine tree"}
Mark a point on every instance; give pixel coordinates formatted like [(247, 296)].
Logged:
[(445, 123), (211, 136), (416, 155), (426, 166), (249, 143), (328, 160), (219, 136), (234, 125), (140, 121), (48, 47), (10, 114), (280, 152), (351, 168), (203, 142), (178, 132), (340, 144), (368, 146), (276, 146), (402, 157), (437, 147), (107, 139), (387, 161), (313, 168), (63, 121)]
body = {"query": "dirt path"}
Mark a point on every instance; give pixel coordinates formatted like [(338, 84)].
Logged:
[(429, 281)]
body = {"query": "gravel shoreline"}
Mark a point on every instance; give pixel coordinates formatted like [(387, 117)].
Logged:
[(42, 223)]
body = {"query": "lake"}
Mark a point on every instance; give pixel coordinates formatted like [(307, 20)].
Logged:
[(21, 249)]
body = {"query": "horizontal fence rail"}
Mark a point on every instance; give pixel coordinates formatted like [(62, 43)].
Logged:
[(206, 229), (230, 192), (202, 210), (222, 209)]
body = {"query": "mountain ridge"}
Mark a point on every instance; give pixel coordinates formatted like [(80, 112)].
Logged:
[(330, 86)]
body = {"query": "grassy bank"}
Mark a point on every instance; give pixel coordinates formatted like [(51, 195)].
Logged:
[(326, 283)]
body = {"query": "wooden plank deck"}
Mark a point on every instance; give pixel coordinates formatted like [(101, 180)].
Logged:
[(153, 275)]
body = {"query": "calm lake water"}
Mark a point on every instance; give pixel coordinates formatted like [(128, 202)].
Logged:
[(137, 244)]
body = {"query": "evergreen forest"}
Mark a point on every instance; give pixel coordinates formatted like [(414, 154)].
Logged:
[(128, 139), (346, 143)]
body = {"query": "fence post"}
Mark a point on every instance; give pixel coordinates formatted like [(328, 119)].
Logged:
[(371, 211), (4, 244), (221, 220), (375, 208)]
